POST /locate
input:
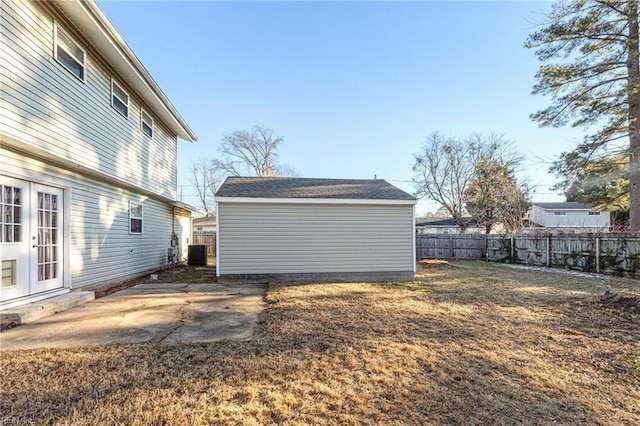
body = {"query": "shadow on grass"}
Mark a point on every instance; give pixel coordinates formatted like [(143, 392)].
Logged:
[(349, 354)]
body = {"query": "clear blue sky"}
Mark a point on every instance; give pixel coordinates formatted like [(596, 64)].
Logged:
[(353, 87)]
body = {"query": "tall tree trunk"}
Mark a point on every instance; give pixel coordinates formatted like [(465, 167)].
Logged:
[(633, 68)]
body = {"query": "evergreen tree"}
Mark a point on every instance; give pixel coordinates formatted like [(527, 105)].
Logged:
[(494, 196), (591, 71)]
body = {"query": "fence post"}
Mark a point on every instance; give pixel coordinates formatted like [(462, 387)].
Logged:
[(598, 255), (548, 250), (486, 247), (451, 246), (512, 250)]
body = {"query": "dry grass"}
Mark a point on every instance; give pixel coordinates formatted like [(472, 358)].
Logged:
[(468, 343)]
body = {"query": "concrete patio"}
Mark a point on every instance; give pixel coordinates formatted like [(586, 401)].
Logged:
[(161, 313)]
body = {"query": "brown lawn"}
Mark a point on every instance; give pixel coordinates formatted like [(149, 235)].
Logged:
[(466, 343)]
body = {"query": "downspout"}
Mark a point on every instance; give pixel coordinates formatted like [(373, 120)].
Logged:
[(217, 239)]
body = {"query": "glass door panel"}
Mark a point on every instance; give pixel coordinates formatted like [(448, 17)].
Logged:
[(48, 256)]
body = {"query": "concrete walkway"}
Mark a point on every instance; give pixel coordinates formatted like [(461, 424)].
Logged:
[(159, 313)]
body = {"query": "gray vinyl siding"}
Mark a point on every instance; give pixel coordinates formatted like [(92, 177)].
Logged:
[(99, 240), (44, 106), (299, 238)]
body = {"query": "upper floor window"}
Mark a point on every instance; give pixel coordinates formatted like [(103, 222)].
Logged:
[(146, 123), (69, 53), (119, 99), (594, 213), (560, 213)]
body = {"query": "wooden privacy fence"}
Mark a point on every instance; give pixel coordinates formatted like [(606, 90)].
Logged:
[(207, 239), (614, 254), (451, 246)]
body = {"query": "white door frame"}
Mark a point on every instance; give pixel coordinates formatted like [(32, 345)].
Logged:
[(47, 238), (30, 287), (15, 256)]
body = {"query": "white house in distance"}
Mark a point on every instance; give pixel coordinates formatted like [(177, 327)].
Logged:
[(204, 224), (569, 217), (301, 229), (447, 226), (88, 155)]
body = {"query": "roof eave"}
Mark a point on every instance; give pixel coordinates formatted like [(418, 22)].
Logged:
[(94, 24), (334, 201)]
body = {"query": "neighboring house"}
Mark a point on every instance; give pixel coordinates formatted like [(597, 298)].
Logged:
[(88, 155), (569, 217), (447, 226), (314, 230), (204, 225)]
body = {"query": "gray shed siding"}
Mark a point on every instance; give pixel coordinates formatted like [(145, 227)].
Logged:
[(267, 239)]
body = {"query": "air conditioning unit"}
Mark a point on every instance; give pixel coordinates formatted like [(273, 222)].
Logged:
[(197, 255)]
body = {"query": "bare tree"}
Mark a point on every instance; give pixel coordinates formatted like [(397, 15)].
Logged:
[(250, 152), (445, 165), (287, 170), (205, 177)]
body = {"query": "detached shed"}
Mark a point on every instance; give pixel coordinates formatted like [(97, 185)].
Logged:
[(300, 229)]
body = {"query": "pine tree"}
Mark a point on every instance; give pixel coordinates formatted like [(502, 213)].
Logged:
[(591, 71)]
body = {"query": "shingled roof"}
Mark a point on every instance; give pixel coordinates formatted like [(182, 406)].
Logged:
[(287, 187), (566, 205)]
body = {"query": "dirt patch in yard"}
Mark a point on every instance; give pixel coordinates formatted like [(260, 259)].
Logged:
[(627, 304), (465, 343), (177, 274)]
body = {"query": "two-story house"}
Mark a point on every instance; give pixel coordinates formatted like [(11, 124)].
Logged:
[(569, 217), (88, 155)]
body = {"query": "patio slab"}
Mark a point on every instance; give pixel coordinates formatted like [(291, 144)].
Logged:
[(161, 313)]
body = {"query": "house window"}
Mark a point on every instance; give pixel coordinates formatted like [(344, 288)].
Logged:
[(68, 53), (11, 211), (560, 213), (146, 123), (594, 213), (119, 99), (135, 218)]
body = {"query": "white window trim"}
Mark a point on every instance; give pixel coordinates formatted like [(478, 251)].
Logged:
[(131, 204), (56, 28), (114, 94), (143, 112)]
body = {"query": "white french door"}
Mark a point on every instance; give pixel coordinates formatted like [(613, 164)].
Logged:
[(14, 239), (31, 244), (46, 229)]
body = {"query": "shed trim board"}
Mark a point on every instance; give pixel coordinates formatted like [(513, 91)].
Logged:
[(285, 239)]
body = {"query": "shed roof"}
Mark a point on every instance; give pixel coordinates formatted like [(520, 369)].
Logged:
[(567, 205), (301, 188), (446, 222)]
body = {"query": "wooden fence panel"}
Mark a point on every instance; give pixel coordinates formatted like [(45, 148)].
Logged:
[(450, 246), (615, 254), (207, 239)]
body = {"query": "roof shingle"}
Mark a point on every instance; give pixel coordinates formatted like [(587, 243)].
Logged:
[(287, 187), (567, 205)]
